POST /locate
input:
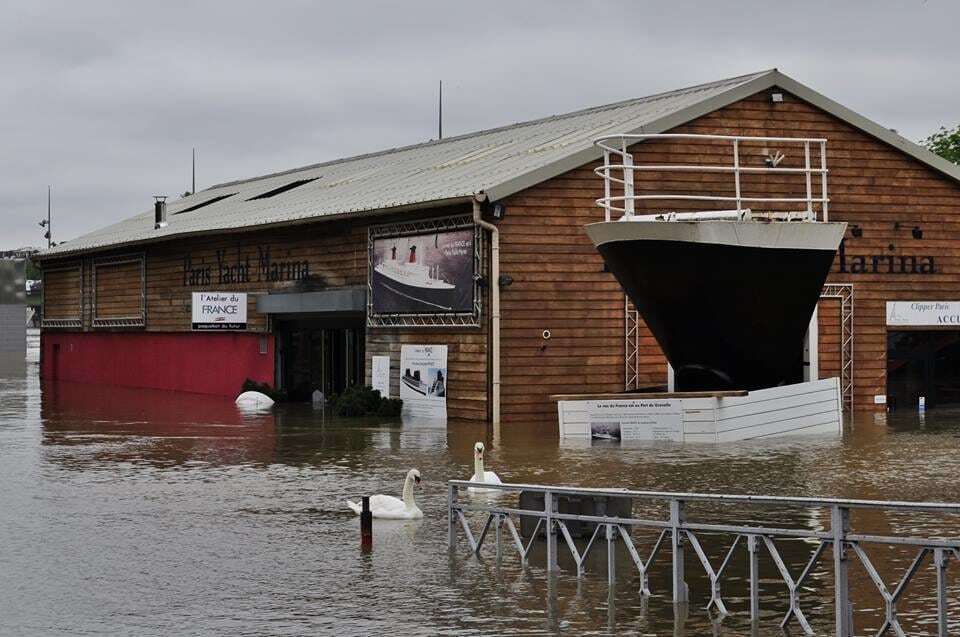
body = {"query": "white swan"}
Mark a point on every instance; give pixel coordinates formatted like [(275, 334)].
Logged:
[(479, 475), (388, 507)]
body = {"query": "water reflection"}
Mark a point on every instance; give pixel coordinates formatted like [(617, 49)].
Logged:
[(142, 512)]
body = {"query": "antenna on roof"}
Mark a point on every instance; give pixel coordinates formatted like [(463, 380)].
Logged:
[(440, 113), (193, 166)]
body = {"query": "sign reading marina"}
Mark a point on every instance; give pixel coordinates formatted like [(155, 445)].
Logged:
[(219, 311), (423, 273), (923, 313)]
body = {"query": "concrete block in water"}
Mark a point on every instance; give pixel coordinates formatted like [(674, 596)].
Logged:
[(621, 507)]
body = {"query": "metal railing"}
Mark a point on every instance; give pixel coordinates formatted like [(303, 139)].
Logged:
[(619, 174), (681, 533)]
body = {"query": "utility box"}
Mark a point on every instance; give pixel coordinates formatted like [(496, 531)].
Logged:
[(13, 307), (614, 506)]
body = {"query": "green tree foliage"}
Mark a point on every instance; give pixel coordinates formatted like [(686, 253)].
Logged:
[(946, 143)]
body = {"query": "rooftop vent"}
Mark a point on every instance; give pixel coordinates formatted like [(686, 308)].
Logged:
[(284, 188), (159, 211), (203, 204)]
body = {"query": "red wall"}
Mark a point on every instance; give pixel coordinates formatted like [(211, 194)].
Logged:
[(199, 362)]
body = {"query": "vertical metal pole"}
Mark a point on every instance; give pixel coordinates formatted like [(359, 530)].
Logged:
[(753, 549), (451, 524), (940, 562), (736, 171), (806, 167), (498, 533), (840, 526), (823, 180), (677, 518), (611, 554), (606, 185), (548, 509), (628, 183)]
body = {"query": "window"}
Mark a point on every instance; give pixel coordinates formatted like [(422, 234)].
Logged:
[(284, 188), (203, 204)]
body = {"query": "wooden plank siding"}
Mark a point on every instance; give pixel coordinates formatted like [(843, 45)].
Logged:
[(62, 292), (119, 289), (559, 285)]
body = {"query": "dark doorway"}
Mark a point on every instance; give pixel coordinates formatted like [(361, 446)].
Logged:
[(923, 363), (318, 354)]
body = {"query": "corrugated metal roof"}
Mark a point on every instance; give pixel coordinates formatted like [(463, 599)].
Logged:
[(497, 162)]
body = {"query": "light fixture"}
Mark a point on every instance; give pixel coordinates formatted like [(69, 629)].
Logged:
[(498, 210), (917, 232), (505, 280), (776, 98), (856, 231)]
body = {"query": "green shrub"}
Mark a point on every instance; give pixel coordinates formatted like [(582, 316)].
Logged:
[(360, 400)]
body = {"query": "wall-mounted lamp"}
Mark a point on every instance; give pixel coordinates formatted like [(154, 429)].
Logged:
[(505, 280), (497, 210), (891, 247), (856, 231), (776, 98), (917, 232)]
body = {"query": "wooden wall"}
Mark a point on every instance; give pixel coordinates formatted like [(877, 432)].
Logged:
[(559, 284), (62, 292)]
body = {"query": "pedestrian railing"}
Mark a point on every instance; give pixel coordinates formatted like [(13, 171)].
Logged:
[(682, 535)]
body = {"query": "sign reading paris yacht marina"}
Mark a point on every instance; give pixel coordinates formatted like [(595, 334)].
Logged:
[(429, 273), (219, 311)]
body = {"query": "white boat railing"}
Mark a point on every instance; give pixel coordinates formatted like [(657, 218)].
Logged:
[(619, 175)]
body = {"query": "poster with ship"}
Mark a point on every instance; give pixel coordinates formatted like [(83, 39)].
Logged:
[(423, 273), (423, 381)]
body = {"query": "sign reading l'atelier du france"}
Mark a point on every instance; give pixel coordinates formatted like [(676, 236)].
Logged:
[(923, 313), (219, 311)]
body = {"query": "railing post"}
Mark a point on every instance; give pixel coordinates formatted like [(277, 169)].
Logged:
[(677, 518), (753, 550), (548, 509), (840, 526), (808, 179), (940, 562), (606, 184), (611, 555), (451, 521), (628, 203), (736, 171), (824, 206)]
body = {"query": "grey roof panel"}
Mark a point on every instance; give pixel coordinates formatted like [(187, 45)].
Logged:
[(498, 162)]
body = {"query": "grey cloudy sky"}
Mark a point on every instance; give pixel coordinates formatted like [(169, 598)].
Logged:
[(104, 100)]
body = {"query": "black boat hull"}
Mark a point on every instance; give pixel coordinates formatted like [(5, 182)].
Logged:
[(727, 316)]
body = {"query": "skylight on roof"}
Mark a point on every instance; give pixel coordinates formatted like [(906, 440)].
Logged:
[(203, 204), (283, 188)]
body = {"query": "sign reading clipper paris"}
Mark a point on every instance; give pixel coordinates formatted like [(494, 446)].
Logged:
[(219, 310)]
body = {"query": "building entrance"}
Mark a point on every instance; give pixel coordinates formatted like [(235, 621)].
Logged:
[(923, 363), (315, 355)]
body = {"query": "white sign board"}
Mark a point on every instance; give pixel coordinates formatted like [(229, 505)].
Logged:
[(380, 375), (923, 313), (423, 381), (219, 311), (637, 419)]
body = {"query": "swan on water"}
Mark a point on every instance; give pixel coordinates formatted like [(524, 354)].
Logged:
[(479, 475), (388, 507), (254, 400)]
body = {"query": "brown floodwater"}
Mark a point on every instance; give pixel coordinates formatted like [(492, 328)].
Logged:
[(154, 513)]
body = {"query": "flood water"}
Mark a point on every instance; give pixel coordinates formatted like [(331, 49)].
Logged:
[(155, 513)]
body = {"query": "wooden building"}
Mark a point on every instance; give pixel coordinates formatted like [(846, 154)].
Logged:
[(533, 312)]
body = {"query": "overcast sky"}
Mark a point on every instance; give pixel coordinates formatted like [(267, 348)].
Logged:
[(104, 100)]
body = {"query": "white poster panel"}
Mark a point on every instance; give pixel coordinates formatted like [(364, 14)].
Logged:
[(923, 313), (423, 381), (380, 375), (637, 419), (219, 311)]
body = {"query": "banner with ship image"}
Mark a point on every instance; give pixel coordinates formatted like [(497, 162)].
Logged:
[(429, 273), (423, 381)]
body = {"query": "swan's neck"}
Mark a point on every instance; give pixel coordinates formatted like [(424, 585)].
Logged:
[(478, 467), (408, 493)]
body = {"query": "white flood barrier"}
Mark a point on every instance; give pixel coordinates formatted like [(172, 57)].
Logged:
[(810, 408)]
